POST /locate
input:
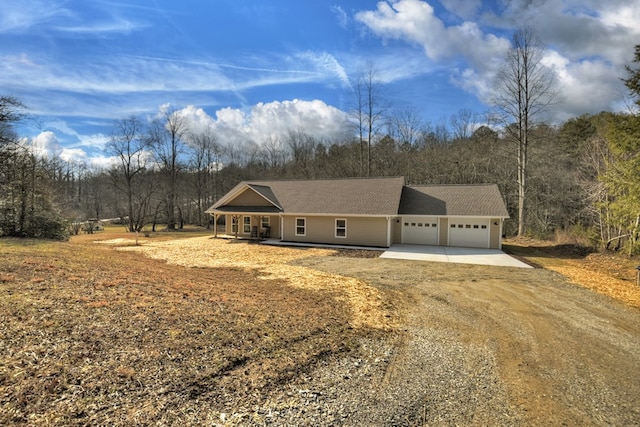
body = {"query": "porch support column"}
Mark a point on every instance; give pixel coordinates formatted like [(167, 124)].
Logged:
[(388, 231), (237, 220), (258, 225)]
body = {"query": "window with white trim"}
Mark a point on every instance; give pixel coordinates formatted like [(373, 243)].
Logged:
[(341, 228), (265, 222), (234, 224), (301, 226), (246, 224)]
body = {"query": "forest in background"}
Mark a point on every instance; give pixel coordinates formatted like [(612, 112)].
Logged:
[(583, 176)]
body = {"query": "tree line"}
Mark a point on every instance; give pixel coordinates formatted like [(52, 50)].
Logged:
[(581, 177)]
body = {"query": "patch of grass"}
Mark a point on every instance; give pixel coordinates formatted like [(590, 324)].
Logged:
[(92, 336)]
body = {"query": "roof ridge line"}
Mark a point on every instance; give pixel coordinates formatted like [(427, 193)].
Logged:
[(251, 181)]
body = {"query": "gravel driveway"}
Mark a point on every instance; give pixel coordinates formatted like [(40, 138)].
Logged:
[(480, 346)]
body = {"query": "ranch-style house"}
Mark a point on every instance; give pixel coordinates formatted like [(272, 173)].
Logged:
[(375, 212)]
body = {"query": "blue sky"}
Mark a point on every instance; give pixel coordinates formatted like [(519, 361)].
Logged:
[(252, 69)]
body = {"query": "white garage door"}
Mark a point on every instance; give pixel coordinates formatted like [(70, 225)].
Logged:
[(419, 230), (470, 233)]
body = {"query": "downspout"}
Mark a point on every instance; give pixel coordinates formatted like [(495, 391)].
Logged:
[(388, 231)]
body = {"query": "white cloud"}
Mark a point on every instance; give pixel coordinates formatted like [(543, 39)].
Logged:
[(589, 43), (270, 120), (97, 141), (94, 141), (62, 126), (588, 86), (46, 144), (326, 64), (74, 155), (466, 9), (132, 84), (103, 162), (115, 26), (415, 21), (25, 14), (341, 15), (53, 15), (577, 29)]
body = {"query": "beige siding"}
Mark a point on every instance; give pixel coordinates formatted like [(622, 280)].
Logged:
[(321, 229), (274, 222), (494, 233), (396, 230), (249, 198), (444, 232)]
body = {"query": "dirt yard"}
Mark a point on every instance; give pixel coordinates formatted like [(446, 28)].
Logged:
[(503, 346), (202, 331)]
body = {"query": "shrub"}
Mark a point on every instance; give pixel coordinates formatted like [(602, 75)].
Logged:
[(52, 227)]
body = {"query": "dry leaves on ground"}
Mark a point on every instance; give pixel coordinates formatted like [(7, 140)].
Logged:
[(271, 262), (608, 274), (91, 336)]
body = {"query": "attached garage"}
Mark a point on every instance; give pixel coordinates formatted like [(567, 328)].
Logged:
[(452, 215), (469, 232), (420, 230)]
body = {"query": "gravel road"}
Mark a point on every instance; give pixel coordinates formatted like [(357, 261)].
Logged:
[(480, 346)]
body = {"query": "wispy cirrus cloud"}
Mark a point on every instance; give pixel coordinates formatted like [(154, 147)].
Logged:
[(341, 15), (115, 26), (325, 65), (154, 78), (26, 14), (29, 15)]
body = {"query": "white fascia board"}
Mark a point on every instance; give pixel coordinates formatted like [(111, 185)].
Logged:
[(466, 216), (342, 215)]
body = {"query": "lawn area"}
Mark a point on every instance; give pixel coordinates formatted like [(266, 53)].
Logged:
[(119, 334)]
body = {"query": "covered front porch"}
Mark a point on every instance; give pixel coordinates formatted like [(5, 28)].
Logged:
[(248, 225)]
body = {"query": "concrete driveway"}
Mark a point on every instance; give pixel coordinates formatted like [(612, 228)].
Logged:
[(452, 254)]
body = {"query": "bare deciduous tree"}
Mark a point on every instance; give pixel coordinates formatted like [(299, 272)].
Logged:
[(274, 152), (524, 89), (406, 126), (369, 114), (167, 135), (11, 112), (302, 149), (131, 146), (205, 162), (463, 123)]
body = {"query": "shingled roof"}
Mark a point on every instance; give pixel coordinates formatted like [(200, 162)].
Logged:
[(353, 196), (453, 200), (367, 197)]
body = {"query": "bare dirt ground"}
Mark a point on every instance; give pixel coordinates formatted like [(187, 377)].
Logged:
[(549, 352), (201, 331)]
